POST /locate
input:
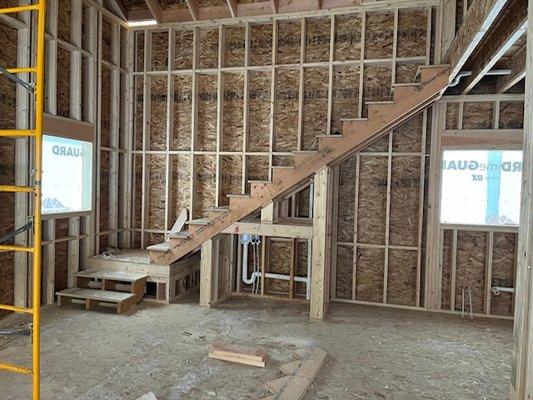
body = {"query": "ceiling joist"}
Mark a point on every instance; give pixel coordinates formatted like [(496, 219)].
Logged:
[(275, 6), (116, 7), (480, 16), (517, 65), (193, 9), (506, 31), (155, 9), (233, 7)]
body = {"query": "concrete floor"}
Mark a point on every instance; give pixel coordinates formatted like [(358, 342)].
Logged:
[(374, 353)]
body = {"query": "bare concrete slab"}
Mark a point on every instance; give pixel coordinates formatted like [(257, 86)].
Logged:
[(373, 353)]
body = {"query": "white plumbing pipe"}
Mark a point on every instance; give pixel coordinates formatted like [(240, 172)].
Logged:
[(496, 290)]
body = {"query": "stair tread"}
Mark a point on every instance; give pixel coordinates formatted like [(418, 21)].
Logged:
[(180, 235), (380, 102), (353, 119), (329, 136), (198, 221), (238, 195), (219, 209), (282, 166), (165, 246), (96, 294), (111, 275)]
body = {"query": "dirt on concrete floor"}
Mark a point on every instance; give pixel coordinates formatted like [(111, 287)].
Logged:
[(373, 353)]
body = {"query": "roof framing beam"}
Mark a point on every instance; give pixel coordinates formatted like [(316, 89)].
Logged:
[(193, 9), (480, 16), (517, 65), (155, 9), (507, 30), (117, 8), (233, 7), (275, 6)]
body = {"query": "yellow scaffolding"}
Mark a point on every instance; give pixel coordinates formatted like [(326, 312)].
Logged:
[(37, 133)]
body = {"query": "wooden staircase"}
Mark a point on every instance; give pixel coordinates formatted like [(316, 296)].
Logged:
[(357, 134)]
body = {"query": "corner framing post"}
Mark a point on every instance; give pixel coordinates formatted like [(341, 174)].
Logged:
[(522, 362), (209, 272), (321, 252)]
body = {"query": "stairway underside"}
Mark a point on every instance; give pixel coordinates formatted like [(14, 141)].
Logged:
[(357, 134)]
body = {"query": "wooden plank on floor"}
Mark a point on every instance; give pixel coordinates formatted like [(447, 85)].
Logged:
[(238, 353)]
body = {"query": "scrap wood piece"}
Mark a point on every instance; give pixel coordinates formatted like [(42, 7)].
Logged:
[(148, 396), (290, 368), (300, 383), (238, 354), (277, 385)]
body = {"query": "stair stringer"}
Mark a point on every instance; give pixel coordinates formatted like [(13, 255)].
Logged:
[(356, 135)]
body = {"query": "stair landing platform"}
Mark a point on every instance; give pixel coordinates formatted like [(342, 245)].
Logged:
[(167, 281)]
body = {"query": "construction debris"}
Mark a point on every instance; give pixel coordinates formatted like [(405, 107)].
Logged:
[(238, 354)]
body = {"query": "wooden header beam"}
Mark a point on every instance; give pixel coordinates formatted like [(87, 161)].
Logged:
[(497, 42), (480, 17), (517, 65)]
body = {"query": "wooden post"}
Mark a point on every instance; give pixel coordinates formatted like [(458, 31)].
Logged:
[(209, 273), (522, 363), (321, 243)]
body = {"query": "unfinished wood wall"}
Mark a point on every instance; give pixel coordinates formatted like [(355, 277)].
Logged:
[(477, 258), (86, 57), (219, 105)]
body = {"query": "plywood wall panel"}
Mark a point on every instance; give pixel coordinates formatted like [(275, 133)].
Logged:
[(104, 190), (234, 37), (379, 34), (407, 138), (447, 261), (345, 95), (286, 116), (105, 109), (289, 39), (503, 272), (279, 263), (205, 173), (478, 115), (346, 200), (370, 269), (232, 117), (259, 111), (372, 200), (159, 61), (231, 173), (412, 31), (261, 44), (401, 282), (138, 110), (181, 184), (183, 49), (348, 37), (207, 113), (344, 278), (511, 115), (315, 106), (317, 40), (182, 104), (63, 82), (158, 112), (156, 191), (208, 49)]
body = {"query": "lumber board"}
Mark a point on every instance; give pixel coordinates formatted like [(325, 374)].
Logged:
[(238, 353), (304, 377)]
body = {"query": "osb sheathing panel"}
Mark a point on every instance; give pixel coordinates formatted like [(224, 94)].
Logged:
[(211, 3), (232, 117), (138, 119), (7, 211), (447, 251), (503, 271), (279, 263), (407, 138), (315, 106), (205, 184), (345, 95), (105, 119), (348, 34), (346, 200), (301, 265), (401, 282), (317, 40), (261, 44), (61, 266), (138, 189), (344, 278), (106, 40), (61, 228), (151, 238), (405, 201), (369, 278), (159, 59), (63, 19), (283, 161), (372, 200), (139, 51), (208, 49), (259, 111), (207, 113), (286, 116), (63, 82), (234, 37), (256, 168), (478, 115), (156, 192), (452, 116), (181, 133), (379, 35), (303, 197), (158, 113), (104, 191), (377, 83), (406, 72), (174, 4), (412, 31), (181, 184), (231, 177), (471, 265), (511, 115), (289, 40), (183, 49)]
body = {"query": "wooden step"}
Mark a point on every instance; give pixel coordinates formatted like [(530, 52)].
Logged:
[(111, 275), (94, 297), (353, 119), (180, 235)]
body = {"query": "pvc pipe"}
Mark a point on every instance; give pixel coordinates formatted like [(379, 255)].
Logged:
[(497, 289)]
